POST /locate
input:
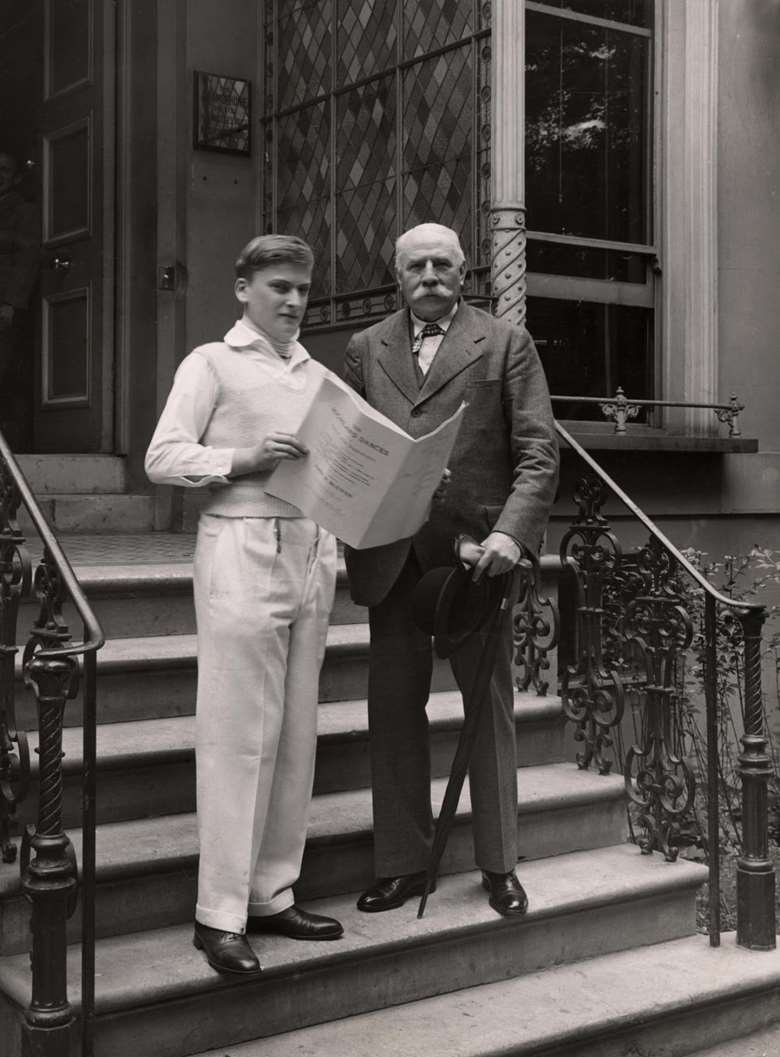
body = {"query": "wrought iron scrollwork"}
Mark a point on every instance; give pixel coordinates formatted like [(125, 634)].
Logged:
[(15, 576), (657, 630), (535, 632), (591, 690)]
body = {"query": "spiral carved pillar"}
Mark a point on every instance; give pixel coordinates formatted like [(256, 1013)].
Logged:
[(755, 871), (507, 214)]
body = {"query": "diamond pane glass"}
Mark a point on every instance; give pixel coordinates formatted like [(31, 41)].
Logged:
[(303, 47), (365, 185), (438, 112), (482, 246), (366, 38), (303, 181), (432, 25)]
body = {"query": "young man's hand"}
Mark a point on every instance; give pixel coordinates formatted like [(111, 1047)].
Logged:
[(267, 454)]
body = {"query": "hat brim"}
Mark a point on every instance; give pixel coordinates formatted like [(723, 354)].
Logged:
[(448, 605)]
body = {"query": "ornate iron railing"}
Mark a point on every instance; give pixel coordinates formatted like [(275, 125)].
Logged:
[(627, 643), (621, 408), (50, 666)]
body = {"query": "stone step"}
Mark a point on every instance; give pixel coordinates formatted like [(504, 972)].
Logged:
[(73, 474), (147, 867), (668, 999), (153, 598), (149, 677), (146, 767), (156, 994), (102, 512)]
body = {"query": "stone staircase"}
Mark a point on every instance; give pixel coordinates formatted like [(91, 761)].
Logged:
[(568, 978)]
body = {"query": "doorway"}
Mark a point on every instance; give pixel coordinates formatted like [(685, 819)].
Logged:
[(56, 244)]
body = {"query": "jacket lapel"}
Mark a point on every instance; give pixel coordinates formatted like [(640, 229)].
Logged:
[(395, 355), (460, 347)]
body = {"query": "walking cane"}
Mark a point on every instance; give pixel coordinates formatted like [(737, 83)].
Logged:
[(479, 694)]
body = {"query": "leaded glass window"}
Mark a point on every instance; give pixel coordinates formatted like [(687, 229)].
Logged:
[(377, 117), (589, 196)]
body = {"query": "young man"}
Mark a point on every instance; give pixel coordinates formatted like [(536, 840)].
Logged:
[(417, 366), (264, 580)]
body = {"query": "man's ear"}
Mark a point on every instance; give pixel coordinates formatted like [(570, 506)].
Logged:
[(239, 288)]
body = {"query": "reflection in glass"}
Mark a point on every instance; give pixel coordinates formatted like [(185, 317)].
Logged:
[(590, 349), (587, 130)]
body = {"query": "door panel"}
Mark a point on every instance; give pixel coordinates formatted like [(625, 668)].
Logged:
[(76, 354)]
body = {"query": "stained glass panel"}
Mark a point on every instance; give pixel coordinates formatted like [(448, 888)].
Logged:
[(438, 110), (366, 39), (303, 180), (434, 24), (365, 185), (304, 39)]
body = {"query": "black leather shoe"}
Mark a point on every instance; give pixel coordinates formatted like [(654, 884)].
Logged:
[(391, 892), (298, 924), (507, 895), (227, 952)]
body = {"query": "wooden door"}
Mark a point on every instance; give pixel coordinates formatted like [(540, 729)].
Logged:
[(73, 405)]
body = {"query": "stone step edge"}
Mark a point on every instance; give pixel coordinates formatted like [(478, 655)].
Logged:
[(641, 987), (457, 908), (339, 721), (166, 652), (175, 577), (146, 578), (336, 820)]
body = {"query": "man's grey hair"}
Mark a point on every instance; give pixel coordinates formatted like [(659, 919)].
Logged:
[(430, 231)]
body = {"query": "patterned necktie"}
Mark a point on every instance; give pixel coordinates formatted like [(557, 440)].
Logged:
[(430, 330)]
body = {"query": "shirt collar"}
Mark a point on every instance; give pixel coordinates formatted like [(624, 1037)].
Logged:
[(243, 336), (443, 321)]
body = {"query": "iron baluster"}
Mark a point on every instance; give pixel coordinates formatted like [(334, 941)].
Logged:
[(592, 693), (535, 631), (713, 793), (657, 779), (755, 872), (49, 867), (14, 584)]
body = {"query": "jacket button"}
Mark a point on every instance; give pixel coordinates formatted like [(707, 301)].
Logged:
[(416, 412)]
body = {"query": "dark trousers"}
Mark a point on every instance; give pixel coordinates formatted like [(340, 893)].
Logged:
[(400, 668)]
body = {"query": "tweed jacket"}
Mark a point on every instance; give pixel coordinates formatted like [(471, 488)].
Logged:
[(504, 464)]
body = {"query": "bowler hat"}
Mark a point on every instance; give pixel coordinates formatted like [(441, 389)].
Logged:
[(450, 606)]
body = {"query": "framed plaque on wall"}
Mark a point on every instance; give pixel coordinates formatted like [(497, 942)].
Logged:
[(222, 113)]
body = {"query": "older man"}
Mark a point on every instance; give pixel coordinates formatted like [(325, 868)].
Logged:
[(417, 366)]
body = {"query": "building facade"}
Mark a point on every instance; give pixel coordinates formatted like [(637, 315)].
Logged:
[(610, 166)]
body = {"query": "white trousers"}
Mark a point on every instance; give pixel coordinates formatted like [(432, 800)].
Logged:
[(263, 593)]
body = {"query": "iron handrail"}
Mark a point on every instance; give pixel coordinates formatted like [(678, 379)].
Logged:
[(649, 524), (621, 407), (93, 640), (755, 764)]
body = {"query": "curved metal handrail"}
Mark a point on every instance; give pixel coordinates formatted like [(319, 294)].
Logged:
[(94, 637), (755, 871), (54, 666), (651, 526)]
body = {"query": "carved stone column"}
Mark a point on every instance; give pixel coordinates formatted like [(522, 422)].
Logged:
[(507, 213)]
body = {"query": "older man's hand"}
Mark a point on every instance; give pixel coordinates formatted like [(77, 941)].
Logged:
[(500, 553)]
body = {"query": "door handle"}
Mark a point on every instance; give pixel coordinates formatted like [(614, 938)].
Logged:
[(62, 264)]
